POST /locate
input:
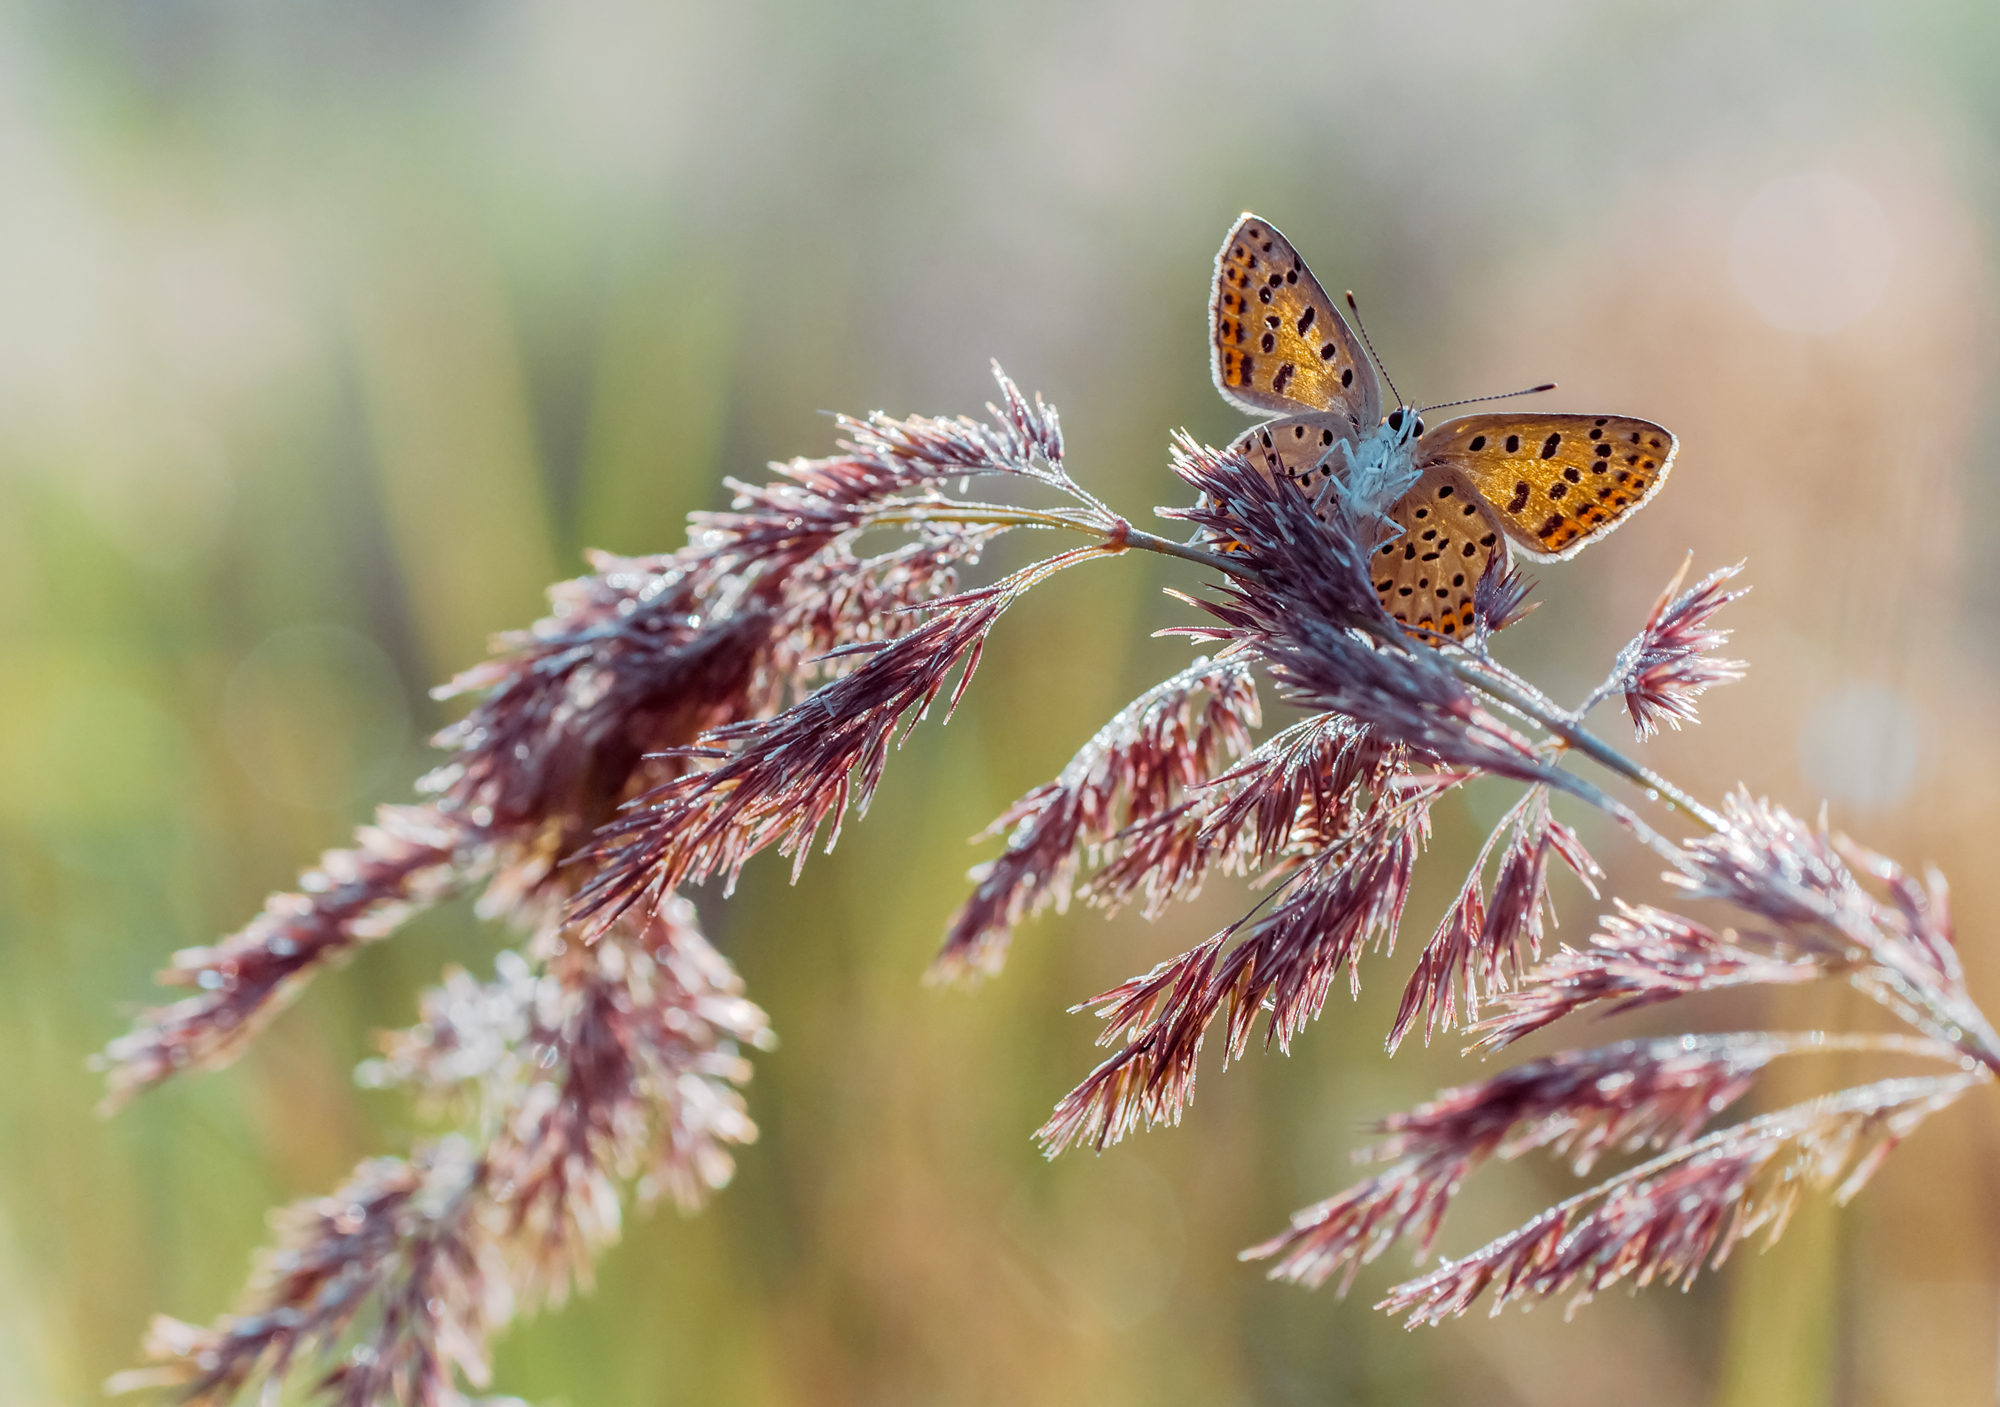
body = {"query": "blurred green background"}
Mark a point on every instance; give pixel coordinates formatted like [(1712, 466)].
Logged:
[(330, 333)]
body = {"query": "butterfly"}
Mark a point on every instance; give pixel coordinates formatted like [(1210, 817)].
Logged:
[(1459, 495)]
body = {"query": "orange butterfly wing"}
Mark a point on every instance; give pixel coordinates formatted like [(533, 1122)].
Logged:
[(1425, 577), (1556, 483), (1277, 344)]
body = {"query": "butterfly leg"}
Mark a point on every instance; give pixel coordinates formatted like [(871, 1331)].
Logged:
[(1327, 477), (1345, 483)]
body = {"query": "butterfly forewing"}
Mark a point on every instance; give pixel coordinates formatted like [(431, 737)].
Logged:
[(1426, 575), (1555, 482), (1278, 343)]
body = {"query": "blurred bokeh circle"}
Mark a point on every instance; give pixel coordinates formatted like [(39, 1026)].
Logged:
[(1812, 252)]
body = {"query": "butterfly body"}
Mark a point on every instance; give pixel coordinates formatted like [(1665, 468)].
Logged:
[(1451, 498), (1382, 466)]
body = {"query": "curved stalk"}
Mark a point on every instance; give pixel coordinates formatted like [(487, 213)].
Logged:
[(1575, 736), (1118, 533), (1496, 683)]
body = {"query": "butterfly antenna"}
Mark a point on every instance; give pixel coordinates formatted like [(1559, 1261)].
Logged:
[(1355, 308), (1475, 400)]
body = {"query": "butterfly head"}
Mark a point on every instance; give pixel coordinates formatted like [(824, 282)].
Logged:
[(1403, 425), (1382, 465)]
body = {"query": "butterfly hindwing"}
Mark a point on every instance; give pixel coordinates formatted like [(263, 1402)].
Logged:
[(1556, 483), (1276, 341), (1426, 575), (1302, 448)]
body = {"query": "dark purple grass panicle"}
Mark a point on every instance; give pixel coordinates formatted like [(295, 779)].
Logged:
[(1302, 788), (397, 1253), (647, 653), (1769, 863), (1294, 790), (1347, 895), (595, 1066), (629, 664), (1639, 956), (1478, 944), (1023, 439), (626, 1074), (1667, 667), (1500, 598), (783, 779), (1152, 752), (780, 781), (1765, 860), (1580, 1104), (411, 857), (891, 467), (1302, 603), (1665, 1219), (582, 1075), (1669, 1217), (1446, 962)]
